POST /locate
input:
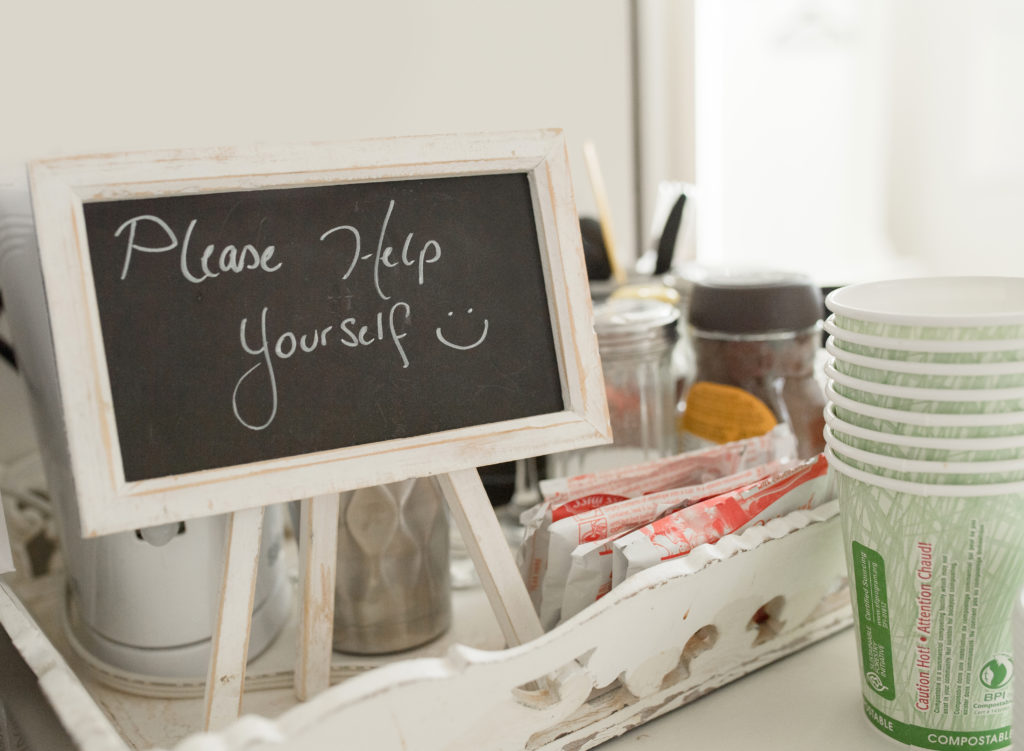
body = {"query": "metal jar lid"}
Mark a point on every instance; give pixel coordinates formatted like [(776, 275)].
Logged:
[(634, 326), (754, 303)]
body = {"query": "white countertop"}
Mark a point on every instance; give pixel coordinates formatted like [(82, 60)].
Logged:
[(808, 701)]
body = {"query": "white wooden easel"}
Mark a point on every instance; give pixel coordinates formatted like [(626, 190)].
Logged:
[(108, 502), (318, 541)]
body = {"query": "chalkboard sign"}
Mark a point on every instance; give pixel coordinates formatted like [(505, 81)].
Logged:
[(240, 327), (235, 328)]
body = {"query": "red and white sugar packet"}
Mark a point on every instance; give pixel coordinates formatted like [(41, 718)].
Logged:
[(596, 490), (690, 468), (801, 487), (594, 530)]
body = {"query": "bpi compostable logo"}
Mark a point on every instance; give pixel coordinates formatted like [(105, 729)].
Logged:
[(997, 672), (996, 676), (875, 682)]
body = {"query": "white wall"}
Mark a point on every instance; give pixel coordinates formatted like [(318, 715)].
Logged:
[(111, 75), (115, 75), (855, 139), (791, 156), (666, 115), (958, 135)]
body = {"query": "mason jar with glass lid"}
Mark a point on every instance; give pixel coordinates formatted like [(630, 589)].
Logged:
[(636, 338), (755, 339)]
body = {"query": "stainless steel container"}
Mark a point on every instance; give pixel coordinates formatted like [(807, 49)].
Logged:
[(393, 589)]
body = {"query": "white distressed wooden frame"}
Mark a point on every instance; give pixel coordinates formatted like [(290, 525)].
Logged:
[(318, 562), (230, 640), (108, 503)]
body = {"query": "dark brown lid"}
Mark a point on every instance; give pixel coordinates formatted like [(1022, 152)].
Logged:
[(755, 302)]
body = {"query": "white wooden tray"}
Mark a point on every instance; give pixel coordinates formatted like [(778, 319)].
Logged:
[(662, 639)]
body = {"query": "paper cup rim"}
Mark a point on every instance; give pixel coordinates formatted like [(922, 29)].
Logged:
[(921, 394), (926, 301), (923, 419), (924, 368), (987, 443), (924, 466), (940, 346), (920, 488)]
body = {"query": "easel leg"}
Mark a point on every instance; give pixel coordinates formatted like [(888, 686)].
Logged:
[(230, 644), (495, 564), (318, 560)]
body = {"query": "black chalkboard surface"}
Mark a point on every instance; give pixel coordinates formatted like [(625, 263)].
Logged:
[(242, 326)]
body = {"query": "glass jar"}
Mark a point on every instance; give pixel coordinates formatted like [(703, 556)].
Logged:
[(636, 338), (755, 339), (392, 590)]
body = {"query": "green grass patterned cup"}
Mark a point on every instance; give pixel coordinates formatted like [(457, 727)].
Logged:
[(934, 572), (917, 350), (936, 401), (924, 424), (966, 308), (924, 471), (926, 448), (929, 375)]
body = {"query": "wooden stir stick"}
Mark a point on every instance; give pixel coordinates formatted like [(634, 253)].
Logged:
[(603, 210)]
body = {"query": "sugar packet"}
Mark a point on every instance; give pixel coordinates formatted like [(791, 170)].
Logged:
[(674, 471), (803, 486), (579, 561), (572, 496)]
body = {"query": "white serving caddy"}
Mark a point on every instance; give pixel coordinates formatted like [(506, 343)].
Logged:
[(662, 639)]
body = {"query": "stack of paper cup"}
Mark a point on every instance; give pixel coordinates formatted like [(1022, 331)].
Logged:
[(1018, 656), (925, 433)]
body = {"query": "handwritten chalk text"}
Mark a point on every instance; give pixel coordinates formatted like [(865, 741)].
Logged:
[(255, 395), (385, 256), (231, 259)]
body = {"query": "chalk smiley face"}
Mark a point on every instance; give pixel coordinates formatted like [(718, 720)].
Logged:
[(448, 343)]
